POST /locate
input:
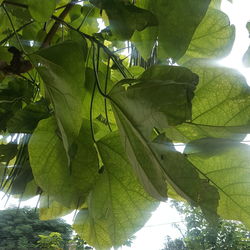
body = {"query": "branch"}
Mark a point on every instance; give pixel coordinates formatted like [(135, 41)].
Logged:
[(56, 25), (91, 38)]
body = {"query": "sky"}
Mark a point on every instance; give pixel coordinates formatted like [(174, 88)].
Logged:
[(164, 219)]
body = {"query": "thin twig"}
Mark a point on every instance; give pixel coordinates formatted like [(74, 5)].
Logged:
[(14, 30), (13, 33), (105, 99)]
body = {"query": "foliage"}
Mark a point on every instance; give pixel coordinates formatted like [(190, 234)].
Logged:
[(79, 243), (51, 241), (200, 234), (88, 127), (19, 228)]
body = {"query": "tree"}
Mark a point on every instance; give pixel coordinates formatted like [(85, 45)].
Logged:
[(51, 241), (20, 229), (202, 235), (89, 128)]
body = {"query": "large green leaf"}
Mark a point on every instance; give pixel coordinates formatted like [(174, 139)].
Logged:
[(118, 205), (178, 21), (49, 164), (228, 170), (213, 38), (184, 178), (162, 96), (41, 10), (62, 69), (222, 97)]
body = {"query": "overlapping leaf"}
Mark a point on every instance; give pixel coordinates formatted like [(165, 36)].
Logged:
[(50, 209), (62, 68), (120, 14), (162, 96), (118, 206), (49, 164), (41, 10), (220, 107), (178, 21), (226, 165), (213, 38)]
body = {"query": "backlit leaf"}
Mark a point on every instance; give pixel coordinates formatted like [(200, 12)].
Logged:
[(62, 69), (229, 172), (152, 102), (41, 10), (222, 97), (49, 164), (213, 37), (118, 205)]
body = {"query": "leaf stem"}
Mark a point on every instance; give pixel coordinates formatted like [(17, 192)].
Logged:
[(105, 99), (13, 33), (14, 30)]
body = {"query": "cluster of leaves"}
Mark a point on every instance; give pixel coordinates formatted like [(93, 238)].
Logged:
[(200, 235), (19, 229), (89, 128), (51, 241)]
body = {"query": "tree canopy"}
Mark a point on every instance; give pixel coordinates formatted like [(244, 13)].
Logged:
[(199, 234), (20, 229), (89, 118)]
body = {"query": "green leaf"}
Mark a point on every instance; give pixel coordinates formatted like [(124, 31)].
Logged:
[(50, 209), (162, 96), (7, 152), (229, 172), (62, 69), (222, 97), (213, 38), (49, 164), (184, 178), (190, 131), (25, 120), (41, 11), (178, 21), (144, 41), (5, 55), (121, 13), (118, 205)]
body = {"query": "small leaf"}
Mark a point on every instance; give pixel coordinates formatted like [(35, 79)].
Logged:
[(41, 11)]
